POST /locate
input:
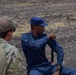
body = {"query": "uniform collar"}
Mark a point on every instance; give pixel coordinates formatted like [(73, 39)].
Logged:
[(2, 40)]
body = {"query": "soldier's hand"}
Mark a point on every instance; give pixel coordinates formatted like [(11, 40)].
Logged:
[(51, 36)]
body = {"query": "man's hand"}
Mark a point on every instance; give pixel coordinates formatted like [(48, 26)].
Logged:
[(51, 36), (56, 73)]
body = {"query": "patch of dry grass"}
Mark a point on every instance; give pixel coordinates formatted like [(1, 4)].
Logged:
[(22, 29), (23, 4), (55, 25)]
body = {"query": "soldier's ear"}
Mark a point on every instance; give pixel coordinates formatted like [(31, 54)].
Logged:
[(9, 34)]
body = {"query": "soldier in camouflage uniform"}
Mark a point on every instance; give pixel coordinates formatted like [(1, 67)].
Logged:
[(13, 60)]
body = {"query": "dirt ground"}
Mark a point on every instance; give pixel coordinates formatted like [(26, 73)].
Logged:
[(61, 19)]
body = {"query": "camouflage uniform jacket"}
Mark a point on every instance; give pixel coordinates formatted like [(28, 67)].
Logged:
[(13, 60), (2, 61)]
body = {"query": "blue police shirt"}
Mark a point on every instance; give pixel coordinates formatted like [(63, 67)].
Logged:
[(34, 49)]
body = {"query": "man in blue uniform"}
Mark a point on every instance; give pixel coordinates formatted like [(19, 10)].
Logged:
[(34, 43)]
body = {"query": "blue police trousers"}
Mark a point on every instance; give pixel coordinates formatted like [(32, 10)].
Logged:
[(48, 69)]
